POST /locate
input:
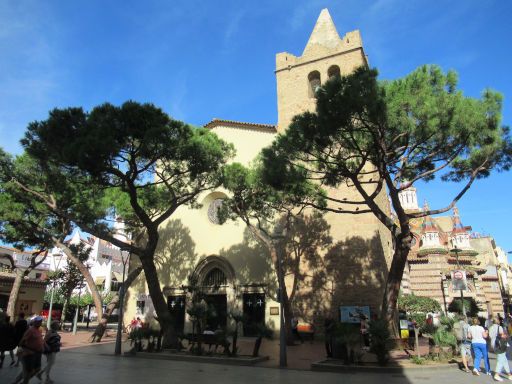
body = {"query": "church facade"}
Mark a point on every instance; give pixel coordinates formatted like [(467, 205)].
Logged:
[(230, 266), (443, 245)]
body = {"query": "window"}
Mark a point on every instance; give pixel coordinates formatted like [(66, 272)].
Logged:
[(314, 83), (114, 286), (140, 307), (38, 275), (215, 278), (333, 71), (213, 210)]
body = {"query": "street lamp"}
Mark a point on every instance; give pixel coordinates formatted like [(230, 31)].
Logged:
[(75, 321), (278, 235), (121, 302), (48, 323), (456, 251)]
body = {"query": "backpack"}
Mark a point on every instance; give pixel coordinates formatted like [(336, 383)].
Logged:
[(53, 343), (494, 333), (460, 329)]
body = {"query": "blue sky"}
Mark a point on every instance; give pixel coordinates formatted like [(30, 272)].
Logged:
[(204, 59)]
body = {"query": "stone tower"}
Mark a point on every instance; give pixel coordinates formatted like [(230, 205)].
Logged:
[(325, 55), (360, 259)]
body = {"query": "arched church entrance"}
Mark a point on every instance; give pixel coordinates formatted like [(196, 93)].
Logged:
[(216, 280)]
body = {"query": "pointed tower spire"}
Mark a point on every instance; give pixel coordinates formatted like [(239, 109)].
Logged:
[(457, 224), (459, 235), (428, 224), (324, 33), (429, 231)]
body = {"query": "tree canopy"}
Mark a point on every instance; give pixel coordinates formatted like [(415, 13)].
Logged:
[(385, 136), (418, 304), (132, 161)]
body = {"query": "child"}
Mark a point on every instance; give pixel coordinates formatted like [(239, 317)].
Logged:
[(500, 348)]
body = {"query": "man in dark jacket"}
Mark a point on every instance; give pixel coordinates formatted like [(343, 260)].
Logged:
[(20, 328), (7, 340)]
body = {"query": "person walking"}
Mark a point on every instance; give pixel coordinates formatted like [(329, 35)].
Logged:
[(478, 334), (494, 331), (52, 347), (500, 348), (32, 344), (461, 332), (329, 328), (295, 329), (7, 340), (20, 327)]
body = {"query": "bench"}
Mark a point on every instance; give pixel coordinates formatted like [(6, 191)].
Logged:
[(216, 339)]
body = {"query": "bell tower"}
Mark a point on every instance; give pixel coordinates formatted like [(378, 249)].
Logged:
[(326, 54)]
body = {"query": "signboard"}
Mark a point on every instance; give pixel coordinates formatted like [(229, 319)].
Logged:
[(459, 280), (23, 260), (354, 314)]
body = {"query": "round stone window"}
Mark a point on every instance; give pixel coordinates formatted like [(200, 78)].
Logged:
[(213, 209)]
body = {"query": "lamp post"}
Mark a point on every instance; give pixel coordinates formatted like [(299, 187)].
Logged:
[(282, 329), (121, 302), (456, 251), (278, 235), (48, 323), (75, 321)]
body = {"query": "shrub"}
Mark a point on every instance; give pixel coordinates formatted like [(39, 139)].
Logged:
[(418, 360), (444, 338), (346, 337), (470, 306), (380, 340), (418, 304)]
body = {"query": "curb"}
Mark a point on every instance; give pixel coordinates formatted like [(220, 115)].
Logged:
[(249, 361), (325, 366)]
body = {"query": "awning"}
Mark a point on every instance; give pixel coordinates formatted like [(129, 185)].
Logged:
[(99, 280)]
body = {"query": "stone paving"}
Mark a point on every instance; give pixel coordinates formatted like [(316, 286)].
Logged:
[(96, 364), (81, 362)]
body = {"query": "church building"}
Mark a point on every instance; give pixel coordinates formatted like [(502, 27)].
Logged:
[(229, 264), (442, 246)]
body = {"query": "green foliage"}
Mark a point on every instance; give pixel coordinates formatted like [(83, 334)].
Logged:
[(121, 148), (444, 335), (418, 304), (428, 329), (418, 360), (380, 340), (347, 334), (132, 161), (419, 318), (470, 305), (444, 338), (386, 136)]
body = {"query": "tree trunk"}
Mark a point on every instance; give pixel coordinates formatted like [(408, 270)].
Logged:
[(127, 283), (288, 314), (257, 345), (170, 339), (287, 307), (389, 302), (64, 310), (15, 290), (96, 297)]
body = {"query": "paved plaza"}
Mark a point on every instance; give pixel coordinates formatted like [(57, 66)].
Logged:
[(96, 364)]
